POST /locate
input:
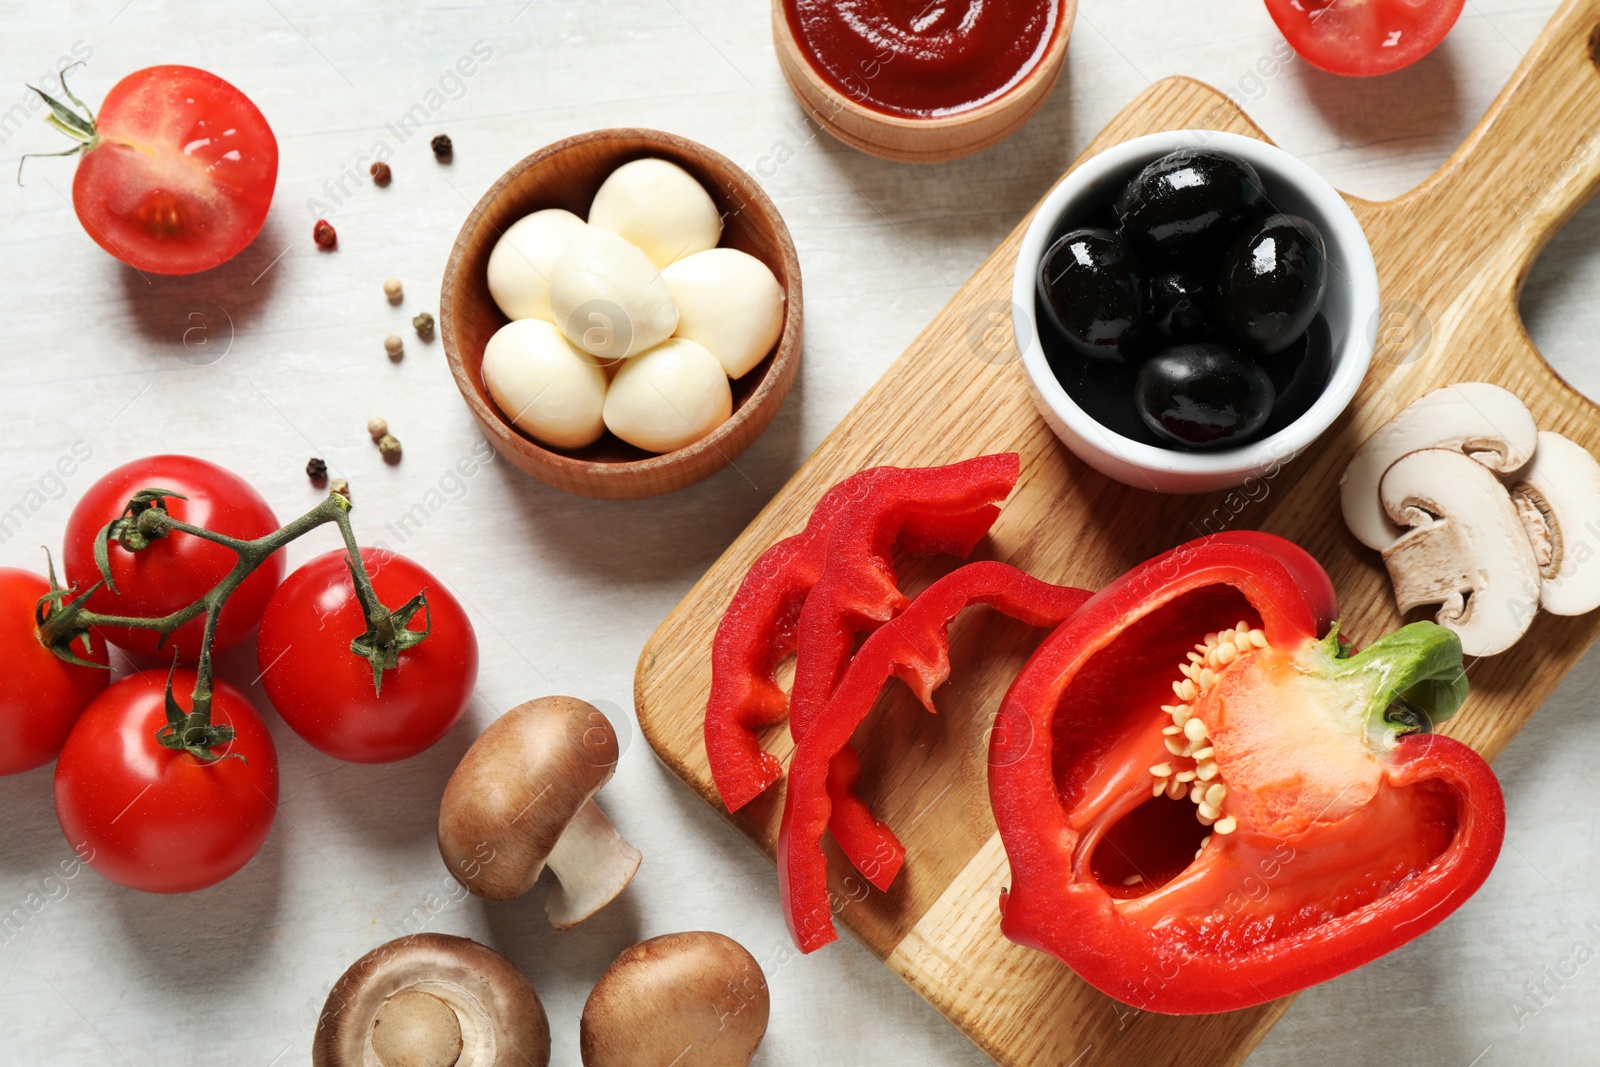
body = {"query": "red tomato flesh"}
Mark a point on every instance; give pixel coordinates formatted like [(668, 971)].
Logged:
[(155, 819), (182, 173), (41, 695), (1364, 37)]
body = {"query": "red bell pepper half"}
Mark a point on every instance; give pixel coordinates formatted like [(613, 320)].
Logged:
[(927, 510), (1209, 802), (914, 647)]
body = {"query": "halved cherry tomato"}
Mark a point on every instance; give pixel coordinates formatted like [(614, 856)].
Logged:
[(325, 691), (41, 695), (159, 819), (1364, 36), (180, 174), (178, 569)]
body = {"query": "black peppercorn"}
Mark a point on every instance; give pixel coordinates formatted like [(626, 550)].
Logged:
[(442, 148), (317, 471)]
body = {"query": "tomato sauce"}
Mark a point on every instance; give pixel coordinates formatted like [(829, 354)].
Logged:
[(923, 58)]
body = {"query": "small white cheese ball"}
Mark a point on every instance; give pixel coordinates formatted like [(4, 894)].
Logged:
[(671, 396), (608, 298), (659, 207), (730, 302), (519, 266), (544, 384)]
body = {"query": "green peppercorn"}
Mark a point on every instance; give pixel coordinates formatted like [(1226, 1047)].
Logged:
[(424, 326)]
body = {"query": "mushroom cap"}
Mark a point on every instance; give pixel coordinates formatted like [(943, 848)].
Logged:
[(692, 998), (432, 1000), (1466, 549), (517, 788), (1476, 419), (1559, 496)]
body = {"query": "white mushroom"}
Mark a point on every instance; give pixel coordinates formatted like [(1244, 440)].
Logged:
[(1466, 549), (523, 797), (432, 1000), (519, 267), (659, 207), (608, 298), (1474, 418), (549, 387), (668, 398), (730, 302), (1558, 496)]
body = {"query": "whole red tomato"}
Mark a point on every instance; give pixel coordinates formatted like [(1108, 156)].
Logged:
[(325, 692), (1364, 36), (178, 569), (41, 695), (178, 172), (158, 819)]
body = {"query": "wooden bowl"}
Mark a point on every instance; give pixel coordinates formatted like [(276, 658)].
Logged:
[(920, 140), (567, 174)]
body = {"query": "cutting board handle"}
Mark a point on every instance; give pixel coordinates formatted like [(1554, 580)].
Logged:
[(1534, 158)]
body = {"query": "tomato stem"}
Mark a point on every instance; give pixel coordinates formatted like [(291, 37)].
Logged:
[(80, 127), (63, 616)]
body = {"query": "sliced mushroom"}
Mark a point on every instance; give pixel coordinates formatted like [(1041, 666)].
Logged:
[(693, 998), (432, 1000), (523, 797), (1559, 499), (1466, 549), (1476, 419)]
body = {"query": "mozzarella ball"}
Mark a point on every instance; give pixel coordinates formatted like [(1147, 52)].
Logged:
[(608, 298), (543, 383), (671, 396), (730, 303), (519, 266), (659, 207)]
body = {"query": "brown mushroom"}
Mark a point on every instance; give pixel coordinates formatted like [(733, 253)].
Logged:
[(432, 1000), (522, 797), (694, 998)]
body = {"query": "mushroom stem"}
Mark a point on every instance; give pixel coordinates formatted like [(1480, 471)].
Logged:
[(593, 863)]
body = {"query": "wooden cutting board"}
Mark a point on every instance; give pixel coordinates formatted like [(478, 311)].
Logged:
[(1452, 255)]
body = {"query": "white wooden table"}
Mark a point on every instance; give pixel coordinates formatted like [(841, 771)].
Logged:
[(564, 591)]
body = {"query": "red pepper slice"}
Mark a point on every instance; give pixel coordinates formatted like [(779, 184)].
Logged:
[(929, 510), (1339, 832), (914, 647)]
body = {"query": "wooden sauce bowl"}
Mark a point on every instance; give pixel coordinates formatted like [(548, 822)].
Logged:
[(567, 174), (921, 140)]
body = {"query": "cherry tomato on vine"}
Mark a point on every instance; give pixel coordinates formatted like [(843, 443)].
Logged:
[(177, 170), (159, 819), (178, 569), (41, 695), (325, 691), (1366, 36)]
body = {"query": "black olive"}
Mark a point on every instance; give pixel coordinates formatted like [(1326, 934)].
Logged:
[(1204, 395), (1180, 303), (1188, 200), (1103, 390), (1090, 288), (1299, 374), (1272, 284)]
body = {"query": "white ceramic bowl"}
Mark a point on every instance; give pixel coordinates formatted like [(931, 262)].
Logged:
[(1350, 308)]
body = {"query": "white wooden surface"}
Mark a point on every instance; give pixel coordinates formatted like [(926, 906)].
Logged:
[(564, 591)]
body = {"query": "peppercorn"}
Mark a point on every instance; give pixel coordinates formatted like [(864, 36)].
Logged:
[(317, 471), (324, 234), (380, 174), (442, 148), (378, 427), (393, 290), (394, 346), (424, 326), (341, 487), (389, 448)]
